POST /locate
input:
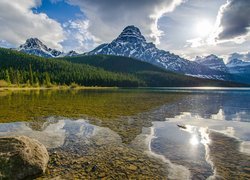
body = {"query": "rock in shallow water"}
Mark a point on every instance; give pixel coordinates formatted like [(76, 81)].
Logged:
[(21, 157)]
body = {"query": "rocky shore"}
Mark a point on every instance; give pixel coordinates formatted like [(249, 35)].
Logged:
[(22, 157)]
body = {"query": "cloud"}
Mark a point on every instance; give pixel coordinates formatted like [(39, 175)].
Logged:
[(232, 25), (107, 18), (78, 37), (5, 44), (233, 21), (196, 42), (19, 22), (241, 56)]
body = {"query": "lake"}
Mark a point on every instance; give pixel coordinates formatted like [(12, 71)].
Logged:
[(133, 133)]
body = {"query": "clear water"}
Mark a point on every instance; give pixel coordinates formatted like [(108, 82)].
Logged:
[(133, 133)]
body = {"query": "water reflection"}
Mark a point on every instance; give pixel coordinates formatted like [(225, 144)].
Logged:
[(82, 150), (221, 106), (194, 140), (133, 134)]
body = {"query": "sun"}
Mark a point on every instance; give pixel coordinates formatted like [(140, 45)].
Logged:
[(203, 28)]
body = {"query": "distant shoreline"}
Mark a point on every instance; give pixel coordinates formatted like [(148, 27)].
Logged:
[(53, 88), (13, 88)]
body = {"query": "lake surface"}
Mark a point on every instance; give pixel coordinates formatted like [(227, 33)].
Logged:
[(133, 133)]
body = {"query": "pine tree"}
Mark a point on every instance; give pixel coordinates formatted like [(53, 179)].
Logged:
[(47, 79), (37, 81), (18, 77), (31, 75), (7, 76)]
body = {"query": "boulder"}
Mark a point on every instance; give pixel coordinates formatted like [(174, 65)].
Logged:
[(22, 157)]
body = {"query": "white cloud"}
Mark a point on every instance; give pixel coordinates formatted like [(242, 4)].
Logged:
[(222, 50), (196, 42), (19, 22), (107, 18), (232, 25), (5, 44), (78, 37)]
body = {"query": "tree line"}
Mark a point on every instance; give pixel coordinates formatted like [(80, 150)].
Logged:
[(19, 68)]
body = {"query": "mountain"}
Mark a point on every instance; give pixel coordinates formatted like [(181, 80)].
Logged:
[(213, 62), (131, 43), (20, 68), (152, 75), (34, 46), (70, 54), (237, 63), (240, 69)]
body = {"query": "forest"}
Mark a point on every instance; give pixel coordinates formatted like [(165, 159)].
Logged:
[(21, 69)]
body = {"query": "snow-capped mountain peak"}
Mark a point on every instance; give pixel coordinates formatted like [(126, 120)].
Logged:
[(69, 54), (131, 33), (131, 43), (33, 43), (72, 53), (213, 62), (237, 62), (34, 46)]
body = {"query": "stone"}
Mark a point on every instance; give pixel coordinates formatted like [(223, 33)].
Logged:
[(132, 167), (22, 157)]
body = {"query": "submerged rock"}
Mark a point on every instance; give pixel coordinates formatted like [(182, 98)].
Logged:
[(21, 157)]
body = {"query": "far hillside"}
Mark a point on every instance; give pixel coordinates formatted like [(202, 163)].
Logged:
[(23, 69), (152, 75)]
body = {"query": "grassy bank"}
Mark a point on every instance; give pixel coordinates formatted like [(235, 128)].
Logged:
[(55, 87), (4, 86)]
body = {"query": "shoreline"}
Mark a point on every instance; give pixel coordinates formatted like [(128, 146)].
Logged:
[(55, 88)]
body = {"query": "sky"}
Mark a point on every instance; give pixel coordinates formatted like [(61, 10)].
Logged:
[(188, 28)]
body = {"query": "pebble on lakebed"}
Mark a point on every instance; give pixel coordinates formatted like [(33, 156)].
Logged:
[(22, 157)]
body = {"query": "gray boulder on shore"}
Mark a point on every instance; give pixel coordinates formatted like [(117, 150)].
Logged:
[(22, 157)]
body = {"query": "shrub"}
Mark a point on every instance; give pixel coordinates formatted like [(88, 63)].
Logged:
[(73, 85), (3, 83)]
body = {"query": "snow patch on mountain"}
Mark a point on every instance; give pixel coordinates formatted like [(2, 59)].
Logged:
[(237, 63), (34, 46), (69, 54), (213, 62), (131, 43)]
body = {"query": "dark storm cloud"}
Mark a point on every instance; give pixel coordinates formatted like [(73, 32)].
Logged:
[(234, 19), (109, 17)]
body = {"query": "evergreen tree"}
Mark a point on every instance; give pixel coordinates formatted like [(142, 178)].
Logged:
[(7, 76), (18, 77), (17, 67), (47, 79), (31, 75)]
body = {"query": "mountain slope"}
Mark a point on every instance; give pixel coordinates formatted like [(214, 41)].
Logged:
[(152, 75), (237, 63), (34, 46), (69, 54), (241, 70), (20, 68), (131, 43), (213, 62)]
